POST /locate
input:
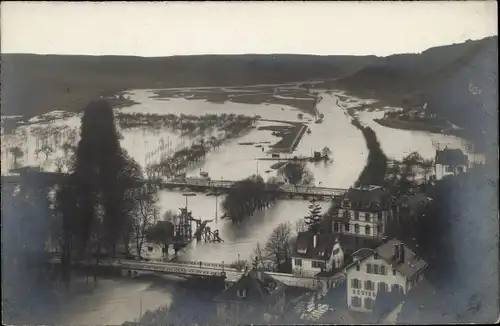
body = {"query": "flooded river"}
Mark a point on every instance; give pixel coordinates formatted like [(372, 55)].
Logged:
[(116, 301)]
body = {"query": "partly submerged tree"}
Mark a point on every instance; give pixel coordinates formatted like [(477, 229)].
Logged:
[(144, 215), (296, 173), (248, 196)]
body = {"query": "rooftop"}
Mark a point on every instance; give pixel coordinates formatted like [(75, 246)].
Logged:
[(305, 242), (450, 156), (368, 198), (409, 267), (260, 288)]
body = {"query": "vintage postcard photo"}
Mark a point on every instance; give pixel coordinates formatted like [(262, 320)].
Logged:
[(236, 163)]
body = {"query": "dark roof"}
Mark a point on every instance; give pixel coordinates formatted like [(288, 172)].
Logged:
[(368, 198), (409, 267), (350, 243), (324, 244), (451, 157), (260, 288)]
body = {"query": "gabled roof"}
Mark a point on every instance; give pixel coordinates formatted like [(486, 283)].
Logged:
[(305, 241), (260, 288), (409, 267), (451, 157), (368, 198)]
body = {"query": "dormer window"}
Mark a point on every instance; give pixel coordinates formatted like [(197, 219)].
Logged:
[(321, 253), (302, 250), (242, 293), (346, 203)]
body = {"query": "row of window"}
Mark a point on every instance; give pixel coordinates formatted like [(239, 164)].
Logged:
[(356, 302), (314, 263), (376, 269), (367, 216), (372, 286), (450, 169), (347, 228)]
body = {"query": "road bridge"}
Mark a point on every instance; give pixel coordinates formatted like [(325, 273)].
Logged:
[(190, 184), (229, 273)]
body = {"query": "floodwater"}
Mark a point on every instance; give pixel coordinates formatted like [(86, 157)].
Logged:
[(117, 301)]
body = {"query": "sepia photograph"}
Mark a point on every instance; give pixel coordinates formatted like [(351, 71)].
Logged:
[(237, 163)]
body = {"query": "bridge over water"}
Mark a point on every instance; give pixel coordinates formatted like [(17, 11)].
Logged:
[(190, 184), (229, 273)]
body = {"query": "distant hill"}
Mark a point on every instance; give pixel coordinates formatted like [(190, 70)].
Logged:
[(442, 76), (446, 78), (33, 84)]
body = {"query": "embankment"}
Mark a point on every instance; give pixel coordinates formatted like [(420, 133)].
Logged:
[(376, 166)]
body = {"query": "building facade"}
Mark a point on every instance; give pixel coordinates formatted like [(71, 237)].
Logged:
[(391, 267), (363, 212), (450, 162), (316, 253)]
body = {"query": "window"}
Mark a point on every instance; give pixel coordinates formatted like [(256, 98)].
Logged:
[(298, 262), (375, 269), (357, 267), (356, 301), (356, 216), (379, 229), (150, 249), (369, 286), (356, 228), (347, 227), (355, 283), (346, 203), (394, 272), (241, 293), (302, 250), (336, 227), (460, 169), (375, 255), (397, 288), (383, 271), (368, 303), (382, 287), (346, 214), (449, 169), (379, 216), (369, 268), (367, 229), (317, 264)]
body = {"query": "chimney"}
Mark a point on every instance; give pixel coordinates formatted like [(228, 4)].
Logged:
[(314, 241), (401, 253)]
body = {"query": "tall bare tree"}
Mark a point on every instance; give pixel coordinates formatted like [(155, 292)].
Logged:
[(278, 245), (144, 215)]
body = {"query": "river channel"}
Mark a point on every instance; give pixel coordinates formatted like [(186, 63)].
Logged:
[(116, 301)]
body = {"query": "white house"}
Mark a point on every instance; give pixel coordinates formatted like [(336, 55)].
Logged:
[(316, 253), (450, 162), (364, 212), (388, 268)]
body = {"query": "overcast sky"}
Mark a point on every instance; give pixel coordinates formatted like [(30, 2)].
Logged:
[(164, 29)]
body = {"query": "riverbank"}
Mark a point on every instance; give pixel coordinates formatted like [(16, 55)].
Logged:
[(376, 165), (429, 126)]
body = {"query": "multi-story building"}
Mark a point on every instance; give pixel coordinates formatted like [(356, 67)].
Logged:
[(364, 213), (315, 253), (254, 296), (450, 162), (391, 267)]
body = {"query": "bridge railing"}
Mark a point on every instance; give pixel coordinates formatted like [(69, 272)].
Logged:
[(170, 268)]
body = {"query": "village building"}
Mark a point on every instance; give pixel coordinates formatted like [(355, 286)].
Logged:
[(450, 162), (254, 298), (362, 217), (317, 254), (391, 267)]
